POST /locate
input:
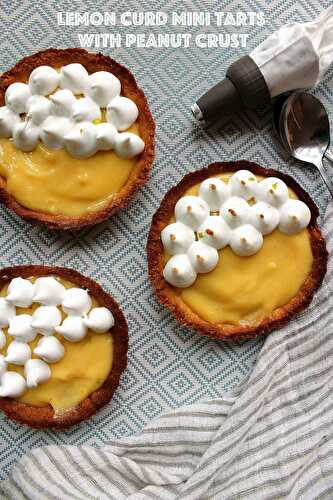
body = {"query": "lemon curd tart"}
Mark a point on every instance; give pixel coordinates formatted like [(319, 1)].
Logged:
[(68, 177), (63, 346), (234, 250)]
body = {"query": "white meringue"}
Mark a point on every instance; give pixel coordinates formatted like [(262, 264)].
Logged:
[(7, 312), (128, 145), (48, 291), (273, 191), (43, 80), (26, 136), (235, 211), (3, 339), (38, 109), (53, 131), (85, 109), (106, 135), (20, 328), (72, 329), (179, 271), (62, 103), (264, 217), (99, 320), (215, 192), (103, 87), (12, 385), (215, 232), (16, 97), (45, 319), (81, 141), (74, 77), (20, 292), (191, 211), (50, 349), (8, 120), (18, 353), (203, 258), (243, 184), (246, 240), (3, 365), (122, 112), (294, 217), (36, 372), (177, 238), (76, 302)]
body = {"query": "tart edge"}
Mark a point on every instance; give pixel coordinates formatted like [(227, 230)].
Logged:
[(178, 308), (45, 417)]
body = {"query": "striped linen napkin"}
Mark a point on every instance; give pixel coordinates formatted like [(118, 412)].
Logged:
[(270, 439)]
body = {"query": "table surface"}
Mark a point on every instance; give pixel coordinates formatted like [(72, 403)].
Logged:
[(168, 365)]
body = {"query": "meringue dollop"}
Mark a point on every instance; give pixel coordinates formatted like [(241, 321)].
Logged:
[(50, 349), (177, 238), (12, 385), (48, 291), (122, 112), (45, 319), (36, 372), (99, 320), (43, 80), (73, 328), (18, 353), (103, 87), (20, 292)]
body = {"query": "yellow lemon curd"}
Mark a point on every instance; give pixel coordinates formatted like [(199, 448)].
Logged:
[(245, 290), (53, 182), (82, 370)]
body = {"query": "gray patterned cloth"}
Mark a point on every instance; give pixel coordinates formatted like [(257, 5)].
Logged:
[(169, 366)]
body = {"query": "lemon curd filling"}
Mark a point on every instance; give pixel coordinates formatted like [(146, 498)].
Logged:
[(53, 182), (82, 370), (245, 290)]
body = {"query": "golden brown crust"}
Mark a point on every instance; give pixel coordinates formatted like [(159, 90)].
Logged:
[(43, 417), (174, 303), (139, 175)]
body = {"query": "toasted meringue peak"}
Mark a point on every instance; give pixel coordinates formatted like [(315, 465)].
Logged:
[(76, 302), (106, 135), (235, 212), (20, 292), (3, 340), (45, 319), (75, 78), (26, 136), (36, 372), (177, 238), (20, 328), (8, 121), (43, 80), (85, 109), (215, 232), (273, 191), (215, 192), (243, 184), (264, 217), (62, 103), (18, 353), (294, 217), (122, 112), (203, 258), (179, 271), (72, 329), (38, 109), (3, 365), (12, 385), (16, 97), (128, 145), (81, 141), (53, 131), (191, 211), (7, 312), (103, 87), (50, 349), (99, 320), (49, 291), (246, 240)]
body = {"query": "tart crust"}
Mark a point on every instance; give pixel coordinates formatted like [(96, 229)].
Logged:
[(139, 175), (184, 314), (45, 417)]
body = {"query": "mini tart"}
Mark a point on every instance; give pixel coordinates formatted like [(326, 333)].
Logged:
[(92, 62), (166, 293), (45, 417)]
